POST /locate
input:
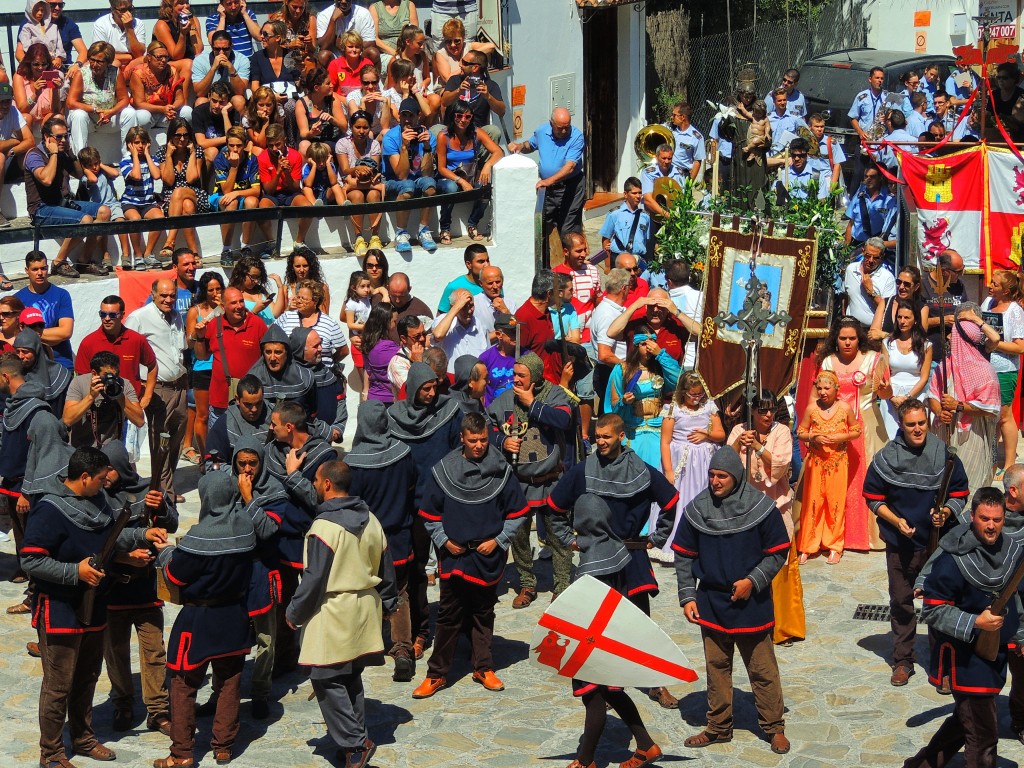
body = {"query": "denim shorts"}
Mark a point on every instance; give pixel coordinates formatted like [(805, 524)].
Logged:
[(54, 215), (395, 187)]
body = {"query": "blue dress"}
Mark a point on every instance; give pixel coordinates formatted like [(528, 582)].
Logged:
[(643, 416)]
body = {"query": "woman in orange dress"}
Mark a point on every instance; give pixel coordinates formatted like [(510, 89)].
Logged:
[(863, 381), (827, 426)]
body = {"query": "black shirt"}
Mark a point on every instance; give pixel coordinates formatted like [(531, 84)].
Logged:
[(204, 123), (480, 106)]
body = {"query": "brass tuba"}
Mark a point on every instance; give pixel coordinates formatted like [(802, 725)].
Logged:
[(814, 146), (665, 191), (649, 138)]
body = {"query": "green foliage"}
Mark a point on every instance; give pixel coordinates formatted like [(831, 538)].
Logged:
[(683, 236), (664, 101)]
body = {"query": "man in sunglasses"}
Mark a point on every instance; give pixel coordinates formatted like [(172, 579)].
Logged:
[(872, 210), (795, 183), (796, 103), (49, 166), (221, 66), (868, 283), (481, 94), (951, 266), (131, 347)]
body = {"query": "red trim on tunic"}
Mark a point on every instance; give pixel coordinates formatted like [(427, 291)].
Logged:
[(434, 518), (12, 494), (874, 496), (952, 675), (555, 506), (404, 561), (34, 551), (684, 551), (520, 513), (675, 500), (779, 548), (932, 601), (471, 579), (273, 516), (736, 630), (167, 573), (155, 604)]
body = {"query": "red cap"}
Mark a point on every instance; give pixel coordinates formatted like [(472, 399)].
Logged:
[(31, 316)]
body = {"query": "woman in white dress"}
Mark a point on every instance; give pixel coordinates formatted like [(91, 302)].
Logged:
[(910, 361)]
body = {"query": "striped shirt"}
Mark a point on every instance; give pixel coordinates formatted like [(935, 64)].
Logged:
[(454, 7), (331, 333), (141, 192), (586, 292), (241, 40)]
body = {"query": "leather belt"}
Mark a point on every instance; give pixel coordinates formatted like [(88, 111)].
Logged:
[(539, 480)]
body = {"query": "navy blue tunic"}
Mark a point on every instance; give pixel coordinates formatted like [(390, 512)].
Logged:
[(629, 516), (140, 589), (296, 517), (14, 454), (49, 533), (213, 621), (390, 494), (430, 450), (723, 559), (470, 524), (969, 674)]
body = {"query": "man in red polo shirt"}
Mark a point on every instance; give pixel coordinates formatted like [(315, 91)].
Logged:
[(638, 287), (586, 280), (671, 326), (241, 332), (535, 326), (131, 346)]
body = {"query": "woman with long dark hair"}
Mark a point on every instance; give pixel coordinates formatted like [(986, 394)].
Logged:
[(908, 288), (863, 379), (305, 266), (375, 264), (181, 33), (636, 390), (249, 275), (205, 307), (378, 349), (320, 113), (909, 354), (458, 147), (34, 97), (181, 171)]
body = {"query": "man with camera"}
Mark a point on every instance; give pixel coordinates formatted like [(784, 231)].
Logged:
[(474, 87), (409, 172), (129, 347), (221, 65), (98, 402)]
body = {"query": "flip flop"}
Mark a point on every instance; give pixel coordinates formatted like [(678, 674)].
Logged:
[(5, 283)]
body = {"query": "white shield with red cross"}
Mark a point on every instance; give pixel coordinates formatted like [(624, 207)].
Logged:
[(593, 633)]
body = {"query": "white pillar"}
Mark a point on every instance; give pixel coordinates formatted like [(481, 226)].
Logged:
[(513, 200)]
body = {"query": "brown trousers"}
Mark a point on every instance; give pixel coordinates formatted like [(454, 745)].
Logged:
[(903, 569), (167, 413), (463, 605), (227, 687), (401, 619), (117, 650), (1016, 695), (758, 654), (71, 667), (973, 727)]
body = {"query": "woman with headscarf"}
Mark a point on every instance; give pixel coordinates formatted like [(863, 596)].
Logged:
[(964, 397), (212, 567), (132, 600), (306, 348), (53, 376), (384, 476)]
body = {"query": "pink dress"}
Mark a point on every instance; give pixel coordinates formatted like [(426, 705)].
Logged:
[(856, 389)]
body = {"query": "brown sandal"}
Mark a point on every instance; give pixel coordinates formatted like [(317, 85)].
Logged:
[(474, 234), (173, 762), (706, 738), (642, 757), (578, 764), (444, 237), (19, 608), (665, 699)]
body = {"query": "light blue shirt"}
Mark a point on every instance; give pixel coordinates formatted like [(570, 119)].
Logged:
[(780, 125), (881, 212), (652, 173), (796, 103), (899, 137), (955, 90), (462, 281), (821, 163), (617, 226), (724, 145), (917, 124), (554, 153), (799, 181), (866, 106), (201, 67), (689, 147)]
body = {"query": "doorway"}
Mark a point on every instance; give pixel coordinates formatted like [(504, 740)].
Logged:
[(600, 99)]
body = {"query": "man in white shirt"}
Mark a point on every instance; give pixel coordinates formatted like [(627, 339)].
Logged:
[(344, 15), (167, 413), (122, 30), (457, 331), (867, 281), (688, 300), (608, 352), (490, 301), (412, 336)]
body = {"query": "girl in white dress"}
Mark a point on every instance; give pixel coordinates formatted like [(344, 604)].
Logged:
[(910, 362)]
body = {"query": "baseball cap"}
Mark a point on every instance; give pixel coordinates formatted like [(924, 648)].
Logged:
[(6, 92), (504, 322), (409, 105), (31, 316)]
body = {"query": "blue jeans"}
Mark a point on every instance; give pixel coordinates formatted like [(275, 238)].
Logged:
[(447, 187), (53, 215)]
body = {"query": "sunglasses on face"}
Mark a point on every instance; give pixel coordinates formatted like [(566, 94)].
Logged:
[(8, 315), (799, 154), (181, 135), (165, 57), (109, 315), (764, 411), (372, 266), (371, 82), (57, 5), (904, 284), (228, 49), (59, 136)]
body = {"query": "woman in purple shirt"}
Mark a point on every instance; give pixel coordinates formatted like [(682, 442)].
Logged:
[(378, 349)]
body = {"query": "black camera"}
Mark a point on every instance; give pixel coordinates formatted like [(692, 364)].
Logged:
[(113, 386)]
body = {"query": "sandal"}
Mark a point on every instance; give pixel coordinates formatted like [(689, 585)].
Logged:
[(997, 476), (665, 699), (19, 608), (474, 234), (191, 456), (706, 738), (5, 283), (444, 237), (834, 558), (802, 560), (166, 253), (642, 757), (578, 764)]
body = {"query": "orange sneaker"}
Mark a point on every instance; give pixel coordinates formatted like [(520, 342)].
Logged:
[(489, 680), (429, 687)]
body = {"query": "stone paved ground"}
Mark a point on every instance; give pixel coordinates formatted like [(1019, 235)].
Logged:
[(841, 709)]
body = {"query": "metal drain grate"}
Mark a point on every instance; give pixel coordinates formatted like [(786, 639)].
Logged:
[(868, 612)]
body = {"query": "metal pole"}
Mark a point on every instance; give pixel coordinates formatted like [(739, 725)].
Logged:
[(280, 231), (728, 32)]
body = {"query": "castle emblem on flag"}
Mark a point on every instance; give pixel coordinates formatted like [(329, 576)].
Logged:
[(1015, 239), (938, 184)]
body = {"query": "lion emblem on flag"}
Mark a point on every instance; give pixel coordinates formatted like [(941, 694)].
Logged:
[(1018, 184), (936, 237)]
